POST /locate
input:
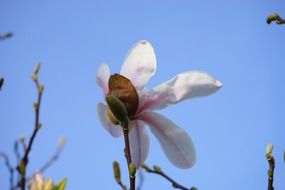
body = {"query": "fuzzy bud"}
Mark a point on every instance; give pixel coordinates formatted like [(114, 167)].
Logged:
[(132, 169), (157, 169), (268, 152), (272, 18), (270, 173), (117, 171), (144, 166), (21, 168), (60, 143), (37, 69)]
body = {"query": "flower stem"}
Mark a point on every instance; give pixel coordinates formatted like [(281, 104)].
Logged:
[(127, 146), (127, 151)]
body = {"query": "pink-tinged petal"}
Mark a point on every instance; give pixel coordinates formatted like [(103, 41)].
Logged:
[(102, 77), (183, 86), (139, 64), (114, 130), (175, 142), (139, 143)]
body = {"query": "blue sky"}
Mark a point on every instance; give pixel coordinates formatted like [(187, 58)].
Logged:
[(228, 39)]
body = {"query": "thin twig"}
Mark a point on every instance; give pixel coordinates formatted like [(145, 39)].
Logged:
[(18, 157), (122, 185), (1, 82), (271, 163), (6, 36), (53, 159), (25, 159), (16, 151), (275, 17), (9, 167), (23, 143), (158, 171)]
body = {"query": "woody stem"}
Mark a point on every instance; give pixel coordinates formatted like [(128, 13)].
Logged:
[(125, 126)]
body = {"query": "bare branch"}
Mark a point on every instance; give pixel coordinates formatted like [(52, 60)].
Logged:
[(54, 157), (157, 170), (6, 36), (9, 167), (1, 82)]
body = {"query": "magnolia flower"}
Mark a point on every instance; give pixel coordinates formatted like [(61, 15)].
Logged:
[(139, 66), (37, 182)]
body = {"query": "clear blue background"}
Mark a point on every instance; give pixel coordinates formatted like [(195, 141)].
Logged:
[(230, 129)]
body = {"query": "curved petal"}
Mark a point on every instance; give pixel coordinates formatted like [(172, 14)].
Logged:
[(174, 141), (139, 64), (139, 143), (183, 86), (102, 77), (114, 130)]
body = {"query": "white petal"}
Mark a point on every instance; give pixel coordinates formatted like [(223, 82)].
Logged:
[(114, 130), (102, 77), (175, 142), (183, 86), (139, 143), (139, 64)]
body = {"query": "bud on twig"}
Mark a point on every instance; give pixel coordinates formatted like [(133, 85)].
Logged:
[(144, 166), (21, 167), (268, 152), (157, 169), (39, 125), (37, 69), (117, 171), (275, 17), (271, 18), (40, 88), (35, 106), (60, 143), (270, 173), (22, 139), (132, 169)]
